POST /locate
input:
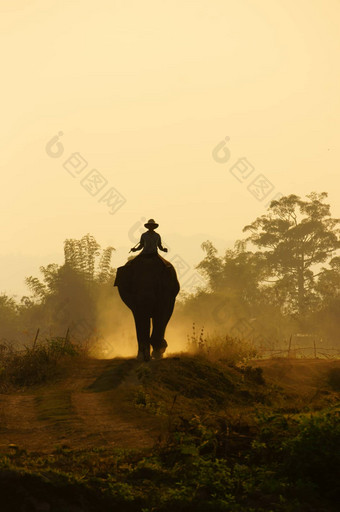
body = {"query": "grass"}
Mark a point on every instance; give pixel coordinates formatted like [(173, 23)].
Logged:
[(281, 464), (34, 365), (231, 441), (216, 347)]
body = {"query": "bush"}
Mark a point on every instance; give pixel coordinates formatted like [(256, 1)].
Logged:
[(217, 347), (302, 453), (334, 378), (34, 365), (313, 455)]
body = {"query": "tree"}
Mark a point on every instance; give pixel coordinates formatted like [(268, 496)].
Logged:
[(297, 236), (328, 286), (68, 293), (8, 317), (80, 260), (237, 274)]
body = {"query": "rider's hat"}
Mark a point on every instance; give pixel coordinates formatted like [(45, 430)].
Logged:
[(151, 224)]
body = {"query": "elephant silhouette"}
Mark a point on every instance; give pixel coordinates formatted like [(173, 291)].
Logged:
[(148, 285)]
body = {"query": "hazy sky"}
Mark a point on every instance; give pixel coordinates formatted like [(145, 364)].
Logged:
[(144, 91)]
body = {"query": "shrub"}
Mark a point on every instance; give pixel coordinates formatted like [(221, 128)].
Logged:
[(34, 365), (313, 455), (217, 347), (334, 378)]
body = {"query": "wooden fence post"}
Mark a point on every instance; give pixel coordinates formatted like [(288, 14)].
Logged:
[(290, 344), (36, 337)]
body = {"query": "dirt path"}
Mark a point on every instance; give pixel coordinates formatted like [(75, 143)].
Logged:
[(93, 407)]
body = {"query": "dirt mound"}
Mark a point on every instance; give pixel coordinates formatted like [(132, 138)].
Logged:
[(298, 374), (124, 403)]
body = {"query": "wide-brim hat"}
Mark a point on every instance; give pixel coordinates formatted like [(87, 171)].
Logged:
[(151, 224)]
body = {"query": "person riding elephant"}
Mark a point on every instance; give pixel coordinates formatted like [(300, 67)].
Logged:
[(148, 285), (150, 241)]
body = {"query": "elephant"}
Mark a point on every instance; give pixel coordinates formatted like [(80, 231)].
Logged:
[(148, 285)]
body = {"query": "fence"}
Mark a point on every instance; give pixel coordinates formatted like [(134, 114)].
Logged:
[(300, 352)]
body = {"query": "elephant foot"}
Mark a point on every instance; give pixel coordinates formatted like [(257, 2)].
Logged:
[(143, 355), (158, 352)]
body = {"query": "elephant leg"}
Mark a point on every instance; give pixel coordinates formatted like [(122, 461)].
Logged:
[(159, 322), (142, 323), (158, 332), (157, 340)]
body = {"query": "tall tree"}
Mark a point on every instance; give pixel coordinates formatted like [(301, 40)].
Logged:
[(68, 293), (297, 236), (80, 260), (237, 274)]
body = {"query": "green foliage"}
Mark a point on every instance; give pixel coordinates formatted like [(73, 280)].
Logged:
[(303, 453), (209, 458), (290, 465), (334, 378), (312, 457)]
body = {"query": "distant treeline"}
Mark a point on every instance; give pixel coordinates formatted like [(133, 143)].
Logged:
[(283, 278)]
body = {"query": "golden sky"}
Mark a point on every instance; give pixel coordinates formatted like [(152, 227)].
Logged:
[(144, 91)]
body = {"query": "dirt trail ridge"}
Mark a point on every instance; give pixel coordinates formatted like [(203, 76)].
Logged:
[(94, 405), (88, 408)]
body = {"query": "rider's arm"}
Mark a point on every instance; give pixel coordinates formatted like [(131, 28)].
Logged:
[(140, 246), (160, 244)]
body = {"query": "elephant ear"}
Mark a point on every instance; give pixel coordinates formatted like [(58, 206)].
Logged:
[(123, 277), (172, 281), (166, 262), (123, 282)]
